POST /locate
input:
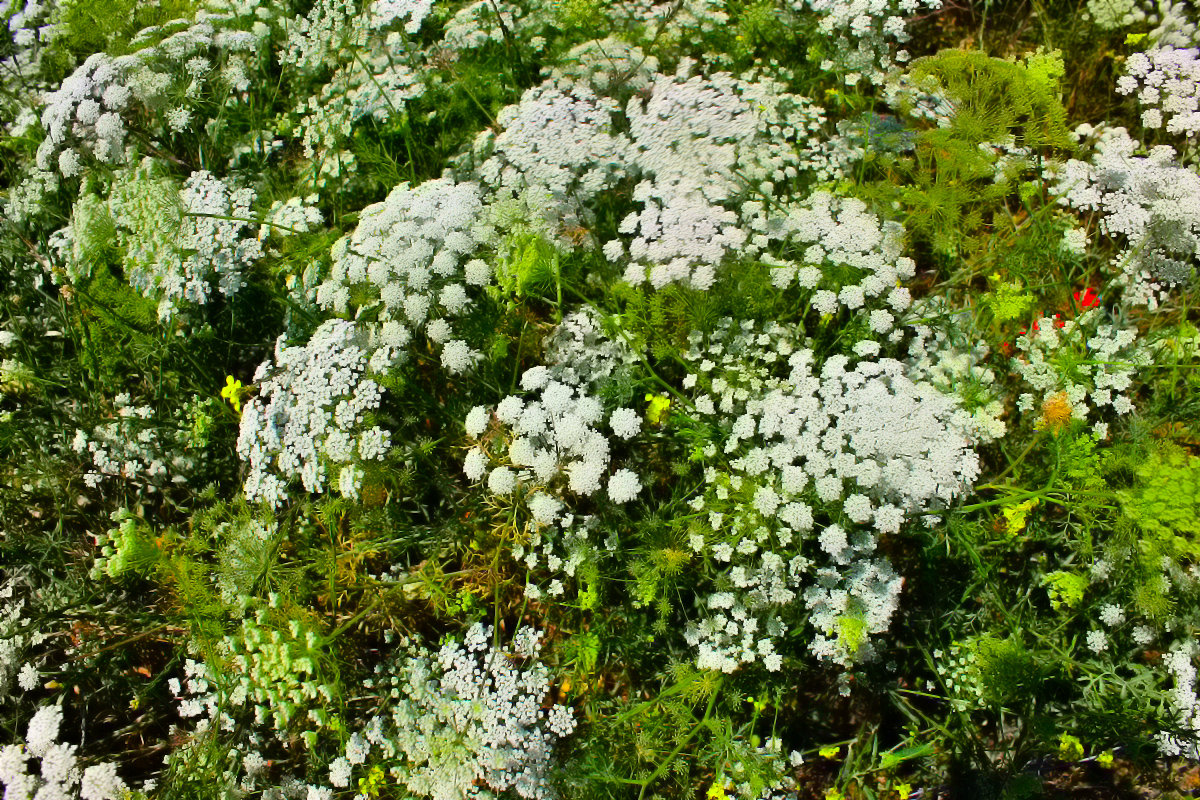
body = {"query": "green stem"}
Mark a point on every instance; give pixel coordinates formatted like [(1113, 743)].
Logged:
[(662, 767)]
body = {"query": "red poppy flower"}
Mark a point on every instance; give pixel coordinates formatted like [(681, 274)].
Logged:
[(1088, 298)]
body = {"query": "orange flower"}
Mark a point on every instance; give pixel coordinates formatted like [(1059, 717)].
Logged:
[(1056, 413)]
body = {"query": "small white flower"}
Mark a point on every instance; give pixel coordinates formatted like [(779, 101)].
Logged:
[(625, 423), (502, 480), (1111, 615), (477, 421), (27, 679), (457, 356), (623, 486), (178, 119), (339, 772)]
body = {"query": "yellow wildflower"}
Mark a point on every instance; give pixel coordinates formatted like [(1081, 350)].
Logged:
[(1015, 516), (233, 392), (659, 403), (1056, 413), (1069, 747)]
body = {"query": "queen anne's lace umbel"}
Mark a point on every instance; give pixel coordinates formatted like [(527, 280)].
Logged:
[(406, 259), (308, 417), (1167, 83), (466, 719), (821, 462), (1151, 201)]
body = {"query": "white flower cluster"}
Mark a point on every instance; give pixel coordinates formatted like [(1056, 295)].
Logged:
[(858, 139), (467, 719), (550, 441), (1173, 22), (837, 233), (23, 202), (954, 367), (12, 641), (692, 133), (606, 64), (679, 239), (479, 22), (60, 776), (22, 63), (558, 140), (291, 216), (579, 352), (375, 82), (700, 142), (647, 20), (1184, 703), (132, 447), (412, 12), (316, 41), (212, 710), (180, 244), (1165, 80), (699, 145), (863, 33), (830, 457), (308, 416), (580, 356), (1112, 14), (217, 242), (84, 114), (1075, 360), (406, 259), (1152, 201)]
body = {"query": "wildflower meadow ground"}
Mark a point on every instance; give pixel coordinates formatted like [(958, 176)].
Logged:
[(566, 399)]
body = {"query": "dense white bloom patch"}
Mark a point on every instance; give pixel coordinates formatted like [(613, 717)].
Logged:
[(1184, 703), (863, 33), (956, 367), (580, 353), (59, 775), (555, 439), (412, 12), (405, 259), (548, 445), (308, 416), (841, 233), (83, 118), (601, 63), (133, 447), (85, 114), (557, 141), (467, 717), (218, 239), (699, 146), (623, 486), (1166, 81), (377, 82), (1151, 201), (873, 446)]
